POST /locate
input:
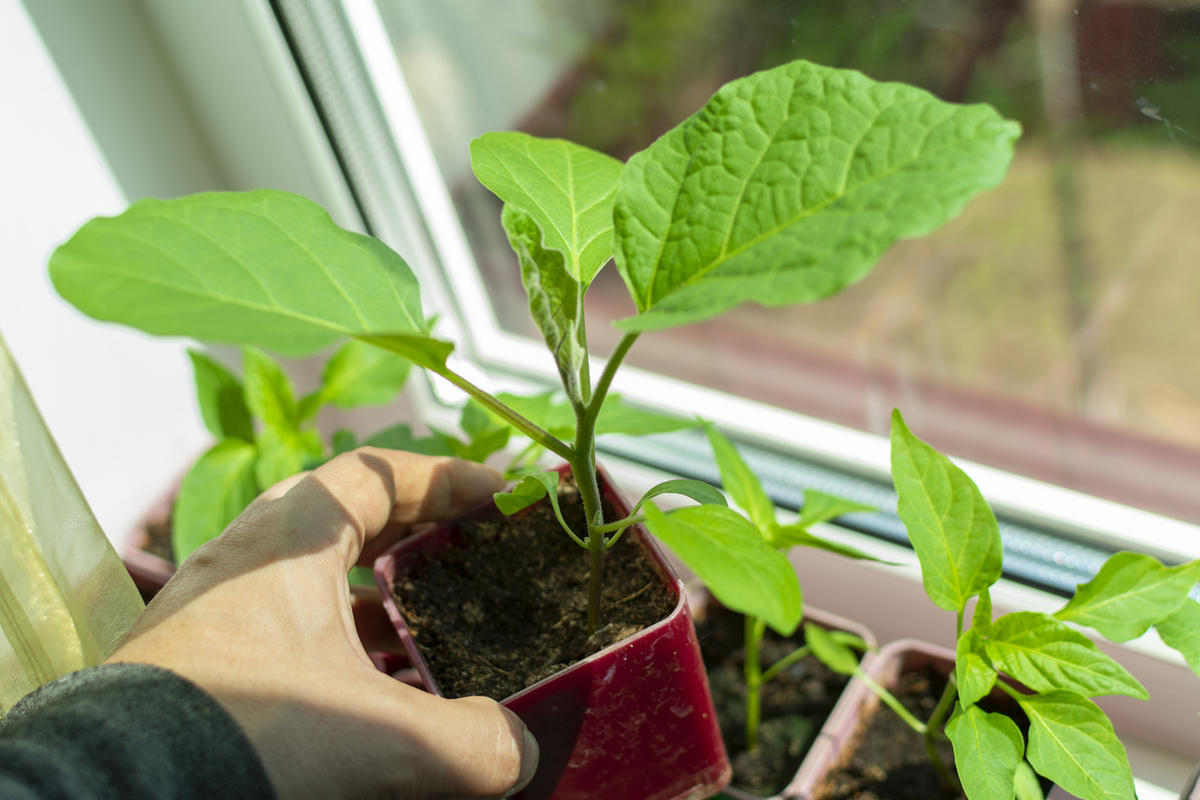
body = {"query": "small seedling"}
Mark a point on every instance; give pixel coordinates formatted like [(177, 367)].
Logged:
[(783, 189), (1071, 742), (741, 557)]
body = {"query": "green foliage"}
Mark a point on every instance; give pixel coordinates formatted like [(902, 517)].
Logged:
[(216, 489), (987, 751), (222, 401), (1131, 592), (1071, 741), (785, 187), (788, 186), (952, 529)]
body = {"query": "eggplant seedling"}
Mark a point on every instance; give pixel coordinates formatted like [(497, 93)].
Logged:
[(783, 189)]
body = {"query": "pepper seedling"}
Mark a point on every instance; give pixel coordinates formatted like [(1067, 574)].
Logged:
[(1071, 741), (783, 189), (741, 557)]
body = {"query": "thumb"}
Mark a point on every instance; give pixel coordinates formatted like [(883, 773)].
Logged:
[(479, 748)]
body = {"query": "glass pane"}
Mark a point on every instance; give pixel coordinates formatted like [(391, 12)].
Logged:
[(1050, 330)]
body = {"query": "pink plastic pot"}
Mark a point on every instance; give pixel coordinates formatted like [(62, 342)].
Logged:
[(829, 621), (884, 668), (633, 721)]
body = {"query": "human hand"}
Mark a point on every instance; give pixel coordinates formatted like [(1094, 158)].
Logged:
[(261, 619)]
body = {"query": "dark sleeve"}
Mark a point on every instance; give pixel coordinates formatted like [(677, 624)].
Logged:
[(127, 731)]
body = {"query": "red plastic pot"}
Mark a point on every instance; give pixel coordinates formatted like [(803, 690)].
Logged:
[(634, 721)]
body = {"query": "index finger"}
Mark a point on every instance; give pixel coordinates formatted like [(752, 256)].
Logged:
[(372, 487)]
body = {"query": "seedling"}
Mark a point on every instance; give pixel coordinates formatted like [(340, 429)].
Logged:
[(741, 557), (786, 187), (264, 433), (1071, 741)]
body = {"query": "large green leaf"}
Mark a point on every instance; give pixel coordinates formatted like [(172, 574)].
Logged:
[(1131, 592), (788, 185), (221, 398), (269, 391), (263, 268), (218, 487), (1181, 630), (359, 374), (566, 188), (987, 751), (1072, 743), (727, 552), (555, 297), (424, 351), (951, 527), (1044, 654), (743, 485)]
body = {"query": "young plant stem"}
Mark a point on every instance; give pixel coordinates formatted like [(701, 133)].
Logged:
[(785, 662), (891, 702), (582, 459), (525, 426), (752, 648), (933, 729)]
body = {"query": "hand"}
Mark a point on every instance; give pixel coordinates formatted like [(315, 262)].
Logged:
[(261, 618)]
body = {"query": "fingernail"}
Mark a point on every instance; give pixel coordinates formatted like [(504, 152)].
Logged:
[(529, 762)]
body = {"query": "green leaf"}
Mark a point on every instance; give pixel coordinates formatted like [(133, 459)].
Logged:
[(1072, 743), (424, 351), (1044, 654), (283, 453), (617, 416), (821, 507), (1027, 785), (1131, 592), (726, 552), (1181, 630), (973, 669), (221, 398), (742, 484), (486, 433), (263, 268), (788, 185), (981, 619), (567, 189), (699, 491), (838, 657), (987, 752), (400, 437), (795, 534), (359, 374), (269, 392), (951, 527), (555, 298), (218, 487), (344, 441), (531, 489)]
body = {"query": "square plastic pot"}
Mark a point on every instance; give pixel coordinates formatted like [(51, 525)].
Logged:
[(634, 721), (829, 621), (838, 734)]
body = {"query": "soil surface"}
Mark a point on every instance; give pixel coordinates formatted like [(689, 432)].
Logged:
[(794, 704), (510, 608), (889, 761)]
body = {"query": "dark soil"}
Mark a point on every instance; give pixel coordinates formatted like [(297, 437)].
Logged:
[(794, 704), (889, 761), (510, 608)]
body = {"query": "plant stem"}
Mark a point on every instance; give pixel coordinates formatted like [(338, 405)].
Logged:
[(891, 702), (933, 729), (525, 426), (752, 669), (582, 459), (785, 662), (606, 377)]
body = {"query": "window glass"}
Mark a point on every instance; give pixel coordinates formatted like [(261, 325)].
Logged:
[(1050, 330)]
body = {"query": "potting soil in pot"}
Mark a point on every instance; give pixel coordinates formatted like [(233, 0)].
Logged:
[(795, 703), (888, 761), (510, 607)]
